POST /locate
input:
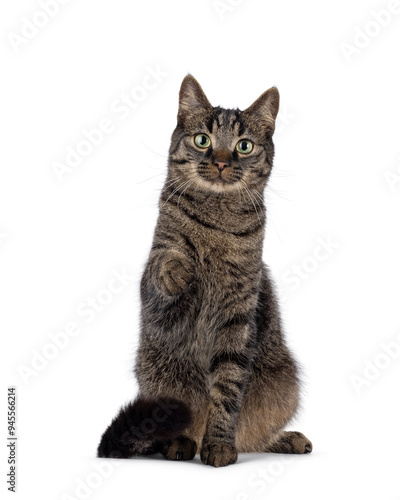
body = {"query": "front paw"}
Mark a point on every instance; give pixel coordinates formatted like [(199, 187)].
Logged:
[(176, 276), (218, 454)]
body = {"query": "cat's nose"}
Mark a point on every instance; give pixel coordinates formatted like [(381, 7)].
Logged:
[(220, 165)]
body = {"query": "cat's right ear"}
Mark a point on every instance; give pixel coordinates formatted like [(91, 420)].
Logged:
[(192, 99)]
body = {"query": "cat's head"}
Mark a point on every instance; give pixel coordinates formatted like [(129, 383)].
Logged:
[(220, 149)]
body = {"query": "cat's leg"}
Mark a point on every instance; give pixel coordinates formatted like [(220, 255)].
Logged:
[(266, 411), (228, 376), (273, 390), (270, 403), (290, 442)]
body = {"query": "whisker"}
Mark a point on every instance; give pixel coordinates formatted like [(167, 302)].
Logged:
[(173, 181), (244, 198), (238, 190), (252, 200), (190, 182), (277, 193), (171, 195), (153, 177), (259, 196), (151, 151)]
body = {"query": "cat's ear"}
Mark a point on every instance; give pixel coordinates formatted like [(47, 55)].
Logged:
[(192, 99), (265, 110)]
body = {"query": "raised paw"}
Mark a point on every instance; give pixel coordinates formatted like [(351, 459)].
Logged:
[(291, 442), (218, 454), (180, 448), (176, 276)]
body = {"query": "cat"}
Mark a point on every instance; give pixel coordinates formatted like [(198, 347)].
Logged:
[(215, 374)]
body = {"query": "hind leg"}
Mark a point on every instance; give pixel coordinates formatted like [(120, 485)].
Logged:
[(269, 405), (290, 442), (262, 420), (272, 395)]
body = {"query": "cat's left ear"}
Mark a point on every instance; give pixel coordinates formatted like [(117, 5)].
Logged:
[(265, 110), (192, 99)]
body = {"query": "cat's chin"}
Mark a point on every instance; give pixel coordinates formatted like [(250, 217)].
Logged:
[(220, 180), (218, 185)]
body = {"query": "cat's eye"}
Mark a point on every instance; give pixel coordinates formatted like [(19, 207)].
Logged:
[(202, 141), (244, 146)]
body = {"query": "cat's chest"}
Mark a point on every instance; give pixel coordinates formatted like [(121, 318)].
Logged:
[(222, 257), (228, 272)]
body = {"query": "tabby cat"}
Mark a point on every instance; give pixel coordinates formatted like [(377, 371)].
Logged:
[(214, 371)]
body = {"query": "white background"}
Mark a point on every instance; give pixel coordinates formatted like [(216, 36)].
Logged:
[(337, 158)]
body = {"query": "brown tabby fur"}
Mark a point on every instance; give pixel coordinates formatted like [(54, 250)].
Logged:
[(211, 335)]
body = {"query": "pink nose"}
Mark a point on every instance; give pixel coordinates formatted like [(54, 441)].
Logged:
[(220, 165)]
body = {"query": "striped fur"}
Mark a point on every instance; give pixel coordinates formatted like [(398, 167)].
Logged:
[(210, 329)]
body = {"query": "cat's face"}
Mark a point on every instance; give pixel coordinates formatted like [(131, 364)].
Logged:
[(222, 150)]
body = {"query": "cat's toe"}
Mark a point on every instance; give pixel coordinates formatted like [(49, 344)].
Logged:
[(218, 455), (300, 443), (291, 442), (180, 448)]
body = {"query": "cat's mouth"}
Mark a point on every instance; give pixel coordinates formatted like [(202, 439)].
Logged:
[(222, 178)]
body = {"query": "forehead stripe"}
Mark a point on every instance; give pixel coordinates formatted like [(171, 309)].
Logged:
[(209, 124), (238, 120)]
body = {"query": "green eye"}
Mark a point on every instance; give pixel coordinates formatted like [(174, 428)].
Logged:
[(244, 146), (202, 141)]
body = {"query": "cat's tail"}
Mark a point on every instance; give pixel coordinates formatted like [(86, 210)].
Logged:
[(141, 425)]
